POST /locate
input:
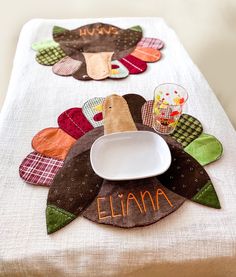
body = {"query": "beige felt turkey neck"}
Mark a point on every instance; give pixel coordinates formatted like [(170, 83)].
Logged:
[(98, 64), (116, 115)]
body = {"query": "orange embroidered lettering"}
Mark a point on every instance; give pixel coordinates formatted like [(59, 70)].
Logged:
[(132, 197), (114, 30), (143, 200), (99, 210), (161, 192), (122, 204), (112, 208), (91, 32), (99, 29), (83, 32), (106, 31)]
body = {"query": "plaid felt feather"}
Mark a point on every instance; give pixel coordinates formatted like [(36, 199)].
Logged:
[(151, 43), (50, 55), (37, 169), (147, 113), (187, 129)]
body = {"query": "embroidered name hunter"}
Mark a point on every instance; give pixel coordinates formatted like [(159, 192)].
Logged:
[(99, 30)]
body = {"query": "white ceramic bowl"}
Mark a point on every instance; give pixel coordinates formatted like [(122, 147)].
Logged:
[(130, 155)]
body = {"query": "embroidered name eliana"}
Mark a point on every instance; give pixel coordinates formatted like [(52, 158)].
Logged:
[(124, 201)]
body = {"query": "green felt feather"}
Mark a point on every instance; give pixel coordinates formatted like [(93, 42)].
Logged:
[(58, 30), (136, 28), (188, 129), (207, 196), (57, 218), (50, 55), (44, 44), (205, 149)]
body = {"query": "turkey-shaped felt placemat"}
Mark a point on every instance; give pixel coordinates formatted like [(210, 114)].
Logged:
[(76, 189), (98, 51)]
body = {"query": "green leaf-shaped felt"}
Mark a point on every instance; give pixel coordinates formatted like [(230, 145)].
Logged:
[(57, 218), (44, 44), (50, 55), (205, 149), (207, 196), (187, 129), (136, 28), (58, 30)]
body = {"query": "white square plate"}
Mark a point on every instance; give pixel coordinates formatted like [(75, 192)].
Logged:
[(130, 155)]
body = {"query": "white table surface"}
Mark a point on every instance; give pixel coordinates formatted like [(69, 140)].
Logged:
[(195, 239), (206, 29)]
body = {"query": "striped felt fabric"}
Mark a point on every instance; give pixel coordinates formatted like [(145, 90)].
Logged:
[(37, 169), (151, 43), (74, 123), (146, 54), (187, 129), (133, 64)]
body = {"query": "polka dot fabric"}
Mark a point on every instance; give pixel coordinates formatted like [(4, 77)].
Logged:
[(75, 186), (185, 175)]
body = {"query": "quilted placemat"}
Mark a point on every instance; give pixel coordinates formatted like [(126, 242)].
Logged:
[(98, 51), (76, 189)]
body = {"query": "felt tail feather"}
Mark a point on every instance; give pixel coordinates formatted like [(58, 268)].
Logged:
[(189, 179), (207, 196), (73, 189)]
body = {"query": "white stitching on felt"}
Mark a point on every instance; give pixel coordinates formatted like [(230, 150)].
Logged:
[(74, 122), (210, 185)]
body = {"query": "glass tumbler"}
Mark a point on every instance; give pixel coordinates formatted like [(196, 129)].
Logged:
[(169, 99)]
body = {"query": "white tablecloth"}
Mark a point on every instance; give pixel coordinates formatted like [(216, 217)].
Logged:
[(194, 240)]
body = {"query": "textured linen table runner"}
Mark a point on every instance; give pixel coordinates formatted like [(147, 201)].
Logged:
[(194, 240)]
